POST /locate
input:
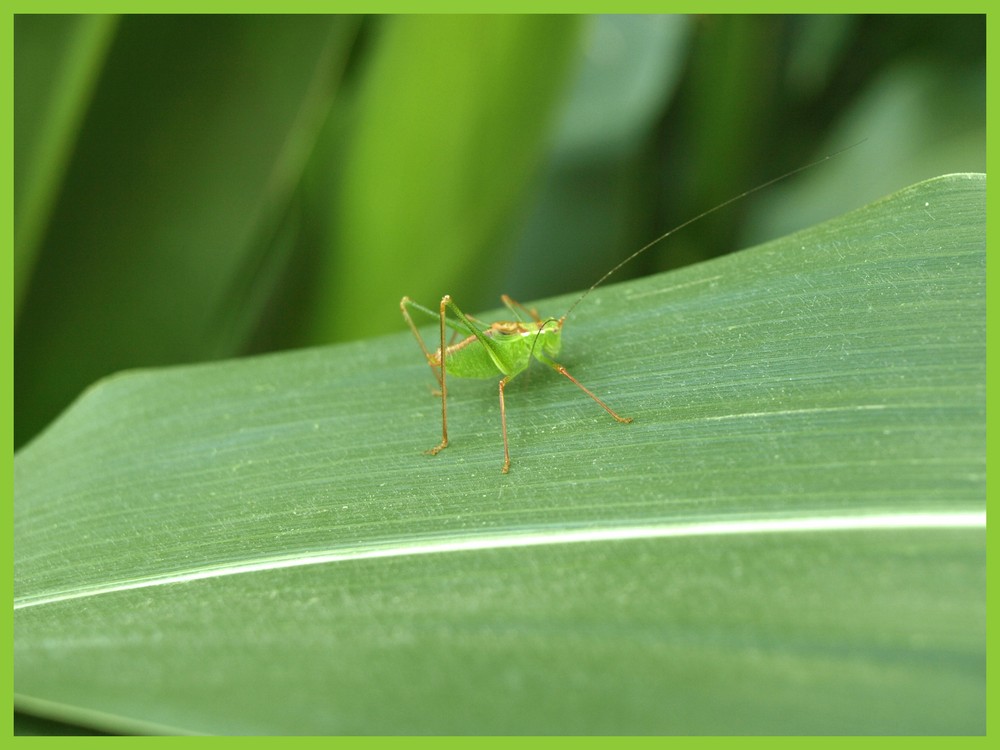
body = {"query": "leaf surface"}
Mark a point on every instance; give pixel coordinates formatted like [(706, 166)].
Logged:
[(790, 538)]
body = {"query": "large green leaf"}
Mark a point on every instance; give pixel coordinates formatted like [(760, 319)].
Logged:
[(789, 538)]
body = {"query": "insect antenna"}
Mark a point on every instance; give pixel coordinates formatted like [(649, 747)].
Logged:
[(702, 215), (541, 327)]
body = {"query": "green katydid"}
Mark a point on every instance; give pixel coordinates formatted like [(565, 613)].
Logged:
[(507, 347)]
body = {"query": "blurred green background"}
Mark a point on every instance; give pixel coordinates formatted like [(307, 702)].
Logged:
[(198, 187)]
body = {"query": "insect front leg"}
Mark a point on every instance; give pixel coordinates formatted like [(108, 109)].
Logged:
[(562, 371)]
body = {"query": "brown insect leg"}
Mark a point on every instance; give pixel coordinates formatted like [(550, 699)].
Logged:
[(513, 303), (444, 385), (416, 334), (562, 371), (503, 427)]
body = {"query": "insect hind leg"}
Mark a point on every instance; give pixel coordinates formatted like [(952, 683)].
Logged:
[(405, 303), (436, 362)]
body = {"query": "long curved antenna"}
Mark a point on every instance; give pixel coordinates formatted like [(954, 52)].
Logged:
[(702, 215), (541, 327)]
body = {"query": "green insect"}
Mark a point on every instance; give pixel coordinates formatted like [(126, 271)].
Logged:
[(507, 347)]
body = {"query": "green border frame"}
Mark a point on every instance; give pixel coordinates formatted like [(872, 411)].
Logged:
[(357, 6)]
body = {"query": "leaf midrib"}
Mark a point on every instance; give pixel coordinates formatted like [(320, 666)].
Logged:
[(435, 544)]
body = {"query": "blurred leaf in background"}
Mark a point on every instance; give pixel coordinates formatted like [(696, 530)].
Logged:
[(159, 248), (448, 129), (197, 187), (64, 55)]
